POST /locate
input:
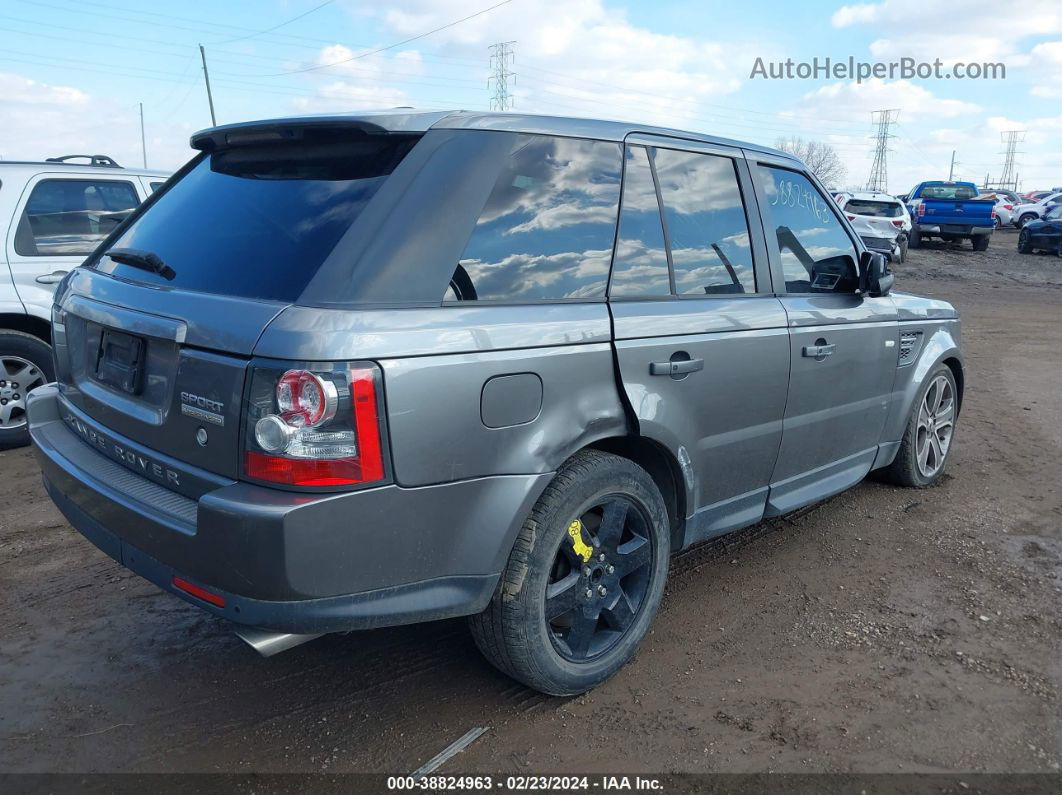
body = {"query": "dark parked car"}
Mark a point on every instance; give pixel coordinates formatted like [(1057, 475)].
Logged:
[(1043, 235), (354, 371)]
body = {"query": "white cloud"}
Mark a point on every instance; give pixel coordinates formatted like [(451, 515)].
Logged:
[(1046, 63), (859, 99), (18, 90), (577, 57), (980, 31)]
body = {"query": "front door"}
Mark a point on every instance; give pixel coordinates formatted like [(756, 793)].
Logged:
[(702, 345), (843, 345)]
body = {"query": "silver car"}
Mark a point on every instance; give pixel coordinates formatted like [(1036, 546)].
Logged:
[(353, 371)]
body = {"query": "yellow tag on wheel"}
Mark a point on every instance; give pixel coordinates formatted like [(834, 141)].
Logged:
[(582, 549)]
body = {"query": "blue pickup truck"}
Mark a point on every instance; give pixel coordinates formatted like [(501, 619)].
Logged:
[(950, 211)]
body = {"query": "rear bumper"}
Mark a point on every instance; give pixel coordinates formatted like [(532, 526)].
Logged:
[(954, 229), (291, 562)]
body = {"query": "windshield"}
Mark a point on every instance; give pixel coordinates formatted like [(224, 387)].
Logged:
[(949, 192), (259, 221), (879, 209)]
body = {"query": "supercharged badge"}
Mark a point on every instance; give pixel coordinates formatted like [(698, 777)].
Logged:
[(202, 408)]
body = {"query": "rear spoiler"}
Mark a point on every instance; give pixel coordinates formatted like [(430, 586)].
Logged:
[(294, 129)]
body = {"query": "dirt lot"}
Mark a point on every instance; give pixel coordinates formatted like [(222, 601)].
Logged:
[(885, 630)]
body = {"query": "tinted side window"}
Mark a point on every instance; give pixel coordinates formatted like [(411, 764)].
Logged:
[(706, 226), (155, 186), (817, 254), (640, 268), (67, 217), (547, 229)]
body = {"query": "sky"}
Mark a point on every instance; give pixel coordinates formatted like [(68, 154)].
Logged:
[(73, 73)]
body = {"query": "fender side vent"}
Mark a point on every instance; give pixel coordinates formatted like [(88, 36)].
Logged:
[(910, 343)]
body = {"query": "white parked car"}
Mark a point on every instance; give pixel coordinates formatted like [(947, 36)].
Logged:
[(1004, 207), (52, 215), (883, 239), (1034, 211), (883, 212)]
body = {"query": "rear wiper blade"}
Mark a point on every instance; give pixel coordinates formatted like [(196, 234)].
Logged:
[(145, 260)]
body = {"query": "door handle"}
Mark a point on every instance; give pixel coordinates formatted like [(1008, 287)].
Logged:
[(818, 351), (51, 278), (679, 367)]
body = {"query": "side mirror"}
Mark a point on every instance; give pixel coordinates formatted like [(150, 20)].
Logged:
[(874, 277)]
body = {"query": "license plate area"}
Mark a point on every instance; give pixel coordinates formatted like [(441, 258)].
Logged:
[(120, 361)]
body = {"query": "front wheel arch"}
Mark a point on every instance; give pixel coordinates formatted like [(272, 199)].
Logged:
[(960, 380)]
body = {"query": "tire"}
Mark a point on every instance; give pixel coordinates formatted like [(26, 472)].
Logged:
[(25, 361), (1027, 218), (513, 633), (998, 223), (906, 469), (903, 248), (914, 240), (980, 242), (1024, 244)]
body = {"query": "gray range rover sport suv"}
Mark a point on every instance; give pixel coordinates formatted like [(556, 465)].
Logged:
[(363, 370)]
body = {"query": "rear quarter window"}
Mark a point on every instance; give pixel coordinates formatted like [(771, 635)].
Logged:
[(547, 228)]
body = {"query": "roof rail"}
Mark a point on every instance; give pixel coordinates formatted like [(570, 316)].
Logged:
[(94, 160)]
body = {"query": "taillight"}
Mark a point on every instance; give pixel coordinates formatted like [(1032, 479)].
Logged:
[(850, 217), (921, 210), (315, 428), (898, 223), (1008, 206)]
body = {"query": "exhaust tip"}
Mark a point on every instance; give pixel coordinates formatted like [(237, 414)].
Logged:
[(267, 643)]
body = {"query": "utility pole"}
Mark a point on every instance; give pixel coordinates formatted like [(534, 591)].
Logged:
[(951, 171), (143, 140), (501, 56), (1009, 180), (206, 77), (879, 171)]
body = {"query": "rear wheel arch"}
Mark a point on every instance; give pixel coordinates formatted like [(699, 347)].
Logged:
[(662, 467), (27, 324)]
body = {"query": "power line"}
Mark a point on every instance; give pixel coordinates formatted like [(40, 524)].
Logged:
[(282, 24), (879, 171), (389, 46), (500, 57)]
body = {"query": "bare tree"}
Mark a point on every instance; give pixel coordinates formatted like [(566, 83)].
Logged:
[(820, 157)]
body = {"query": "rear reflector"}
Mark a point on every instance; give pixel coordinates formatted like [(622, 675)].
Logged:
[(198, 593), (313, 472)]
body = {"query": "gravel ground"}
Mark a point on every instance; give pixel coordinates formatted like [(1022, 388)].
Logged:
[(886, 630)]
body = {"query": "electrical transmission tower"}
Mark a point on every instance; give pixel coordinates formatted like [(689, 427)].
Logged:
[(501, 57), (1009, 179), (879, 171)]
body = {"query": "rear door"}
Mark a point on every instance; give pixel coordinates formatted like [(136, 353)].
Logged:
[(59, 220), (843, 344), (701, 343)]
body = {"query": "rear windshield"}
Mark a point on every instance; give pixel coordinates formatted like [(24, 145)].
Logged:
[(875, 208), (949, 192), (258, 221)]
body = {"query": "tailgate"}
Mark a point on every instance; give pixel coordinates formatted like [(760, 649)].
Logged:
[(140, 362), (957, 211)]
